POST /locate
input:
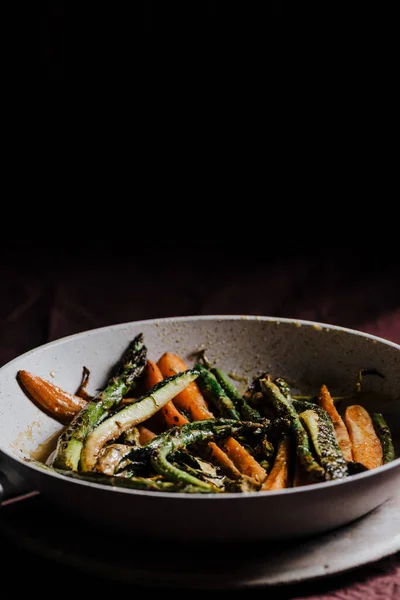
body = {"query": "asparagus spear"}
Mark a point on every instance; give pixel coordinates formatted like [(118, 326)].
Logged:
[(247, 413), (215, 393), (385, 437), (70, 443), (155, 483)]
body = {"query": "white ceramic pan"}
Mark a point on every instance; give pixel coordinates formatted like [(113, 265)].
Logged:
[(306, 354)]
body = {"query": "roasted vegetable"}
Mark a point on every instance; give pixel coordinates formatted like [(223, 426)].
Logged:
[(322, 434), (325, 400), (128, 416), (190, 402), (70, 442), (169, 414), (279, 476), (246, 412), (182, 437), (366, 446), (151, 484), (215, 394), (385, 437), (52, 399)]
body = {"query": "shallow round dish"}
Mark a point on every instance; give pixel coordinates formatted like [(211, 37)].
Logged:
[(305, 353)]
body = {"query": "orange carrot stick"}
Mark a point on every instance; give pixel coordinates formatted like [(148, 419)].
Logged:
[(325, 400), (223, 460), (169, 414), (366, 446), (145, 434), (244, 461), (278, 478), (59, 404), (190, 400)]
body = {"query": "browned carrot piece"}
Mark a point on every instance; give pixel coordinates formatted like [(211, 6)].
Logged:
[(168, 416), (325, 400), (190, 400), (172, 416), (223, 460), (59, 404), (244, 461), (145, 434), (366, 446), (278, 477)]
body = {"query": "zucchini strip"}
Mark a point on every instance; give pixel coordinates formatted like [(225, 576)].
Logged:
[(132, 414), (322, 434), (70, 443)]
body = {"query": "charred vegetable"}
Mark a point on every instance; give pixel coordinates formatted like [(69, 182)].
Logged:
[(385, 437), (137, 412), (246, 412), (216, 394), (182, 437), (70, 442), (284, 408), (322, 434)]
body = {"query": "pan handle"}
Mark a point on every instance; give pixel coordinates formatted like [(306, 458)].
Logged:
[(14, 489)]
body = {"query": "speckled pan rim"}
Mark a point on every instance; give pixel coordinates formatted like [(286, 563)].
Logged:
[(222, 317), (192, 318)]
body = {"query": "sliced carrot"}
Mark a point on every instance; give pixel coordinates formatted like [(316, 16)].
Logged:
[(278, 477), (244, 461), (145, 434), (61, 405), (190, 400), (168, 416), (366, 446), (325, 400), (223, 460)]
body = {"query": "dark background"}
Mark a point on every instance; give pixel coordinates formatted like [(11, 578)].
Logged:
[(92, 22), (52, 287)]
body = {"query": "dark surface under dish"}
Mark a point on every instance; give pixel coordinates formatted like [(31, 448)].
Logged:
[(37, 526)]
